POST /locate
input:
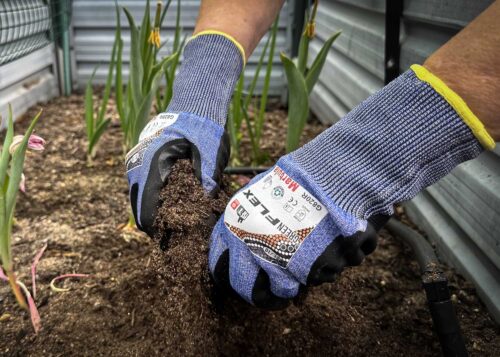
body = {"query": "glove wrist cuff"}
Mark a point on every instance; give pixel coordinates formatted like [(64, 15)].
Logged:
[(394, 144), (210, 69), (457, 103)]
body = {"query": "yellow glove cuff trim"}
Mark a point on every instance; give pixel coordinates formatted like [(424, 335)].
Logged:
[(469, 118), (229, 37)]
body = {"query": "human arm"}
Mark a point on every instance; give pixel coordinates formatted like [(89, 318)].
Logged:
[(193, 125), (469, 63), (400, 140), (246, 21)]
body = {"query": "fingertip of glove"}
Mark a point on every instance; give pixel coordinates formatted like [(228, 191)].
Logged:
[(262, 296), (220, 272)]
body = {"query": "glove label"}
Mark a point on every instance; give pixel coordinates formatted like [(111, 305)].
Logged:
[(160, 122), (274, 216), (152, 130)]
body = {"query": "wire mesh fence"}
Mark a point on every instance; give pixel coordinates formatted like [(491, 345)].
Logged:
[(27, 25)]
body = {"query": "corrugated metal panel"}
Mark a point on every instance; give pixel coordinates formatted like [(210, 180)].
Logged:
[(430, 23), (24, 28), (27, 81), (461, 213), (355, 65), (455, 248), (94, 23), (26, 55)]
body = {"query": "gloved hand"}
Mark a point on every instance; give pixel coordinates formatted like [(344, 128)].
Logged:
[(192, 128), (275, 237), (308, 217), (181, 136)]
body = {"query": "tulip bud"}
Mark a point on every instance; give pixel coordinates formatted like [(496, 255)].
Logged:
[(35, 143)]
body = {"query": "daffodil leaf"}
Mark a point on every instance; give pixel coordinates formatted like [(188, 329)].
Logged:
[(298, 103), (318, 63)]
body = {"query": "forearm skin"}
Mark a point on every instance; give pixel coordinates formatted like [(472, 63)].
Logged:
[(470, 65)]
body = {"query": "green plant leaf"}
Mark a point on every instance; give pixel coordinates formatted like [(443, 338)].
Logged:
[(237, 102), (118, 80), (318, 63), (255, 78), (4, 181), (144, 111), (234, 118), (4, 158), (109, 81), (162, 65), (174, 65), (142, 117), (16, 169), (144, 30), (298, 103), (164, 12), (265, 89), (99, 130), (255, 147), (136, 73), (89, 105), (129, 131), (169, 88), (303, 54), (177, 35)]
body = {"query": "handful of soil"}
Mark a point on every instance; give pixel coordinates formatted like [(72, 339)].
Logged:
[(184, 222)]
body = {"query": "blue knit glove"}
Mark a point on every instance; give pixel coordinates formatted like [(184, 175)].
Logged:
[(275, 236), (192, 128), (299, 223)]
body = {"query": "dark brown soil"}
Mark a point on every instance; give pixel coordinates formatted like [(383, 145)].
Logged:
[(141, 300), (184, 222)]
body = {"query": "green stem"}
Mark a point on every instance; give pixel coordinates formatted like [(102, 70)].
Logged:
[(131, 220), (265, 89)]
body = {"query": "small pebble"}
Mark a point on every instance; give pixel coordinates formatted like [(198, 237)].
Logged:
[(5, 317)]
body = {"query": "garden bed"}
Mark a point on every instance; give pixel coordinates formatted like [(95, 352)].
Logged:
[(141, 300)]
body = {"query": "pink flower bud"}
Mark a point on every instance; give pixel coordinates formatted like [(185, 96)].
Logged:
[(35, 143)]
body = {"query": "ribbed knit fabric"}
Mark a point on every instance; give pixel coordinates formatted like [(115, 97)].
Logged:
[(385, 151), (389, 148), (210, 69)]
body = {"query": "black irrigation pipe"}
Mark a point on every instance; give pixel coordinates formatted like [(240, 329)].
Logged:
[(248, 170), (435, 285)]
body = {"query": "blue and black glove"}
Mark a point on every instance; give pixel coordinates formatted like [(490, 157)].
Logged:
[(191, 128), (308, 217)]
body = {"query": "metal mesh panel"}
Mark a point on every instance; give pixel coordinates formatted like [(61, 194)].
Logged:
[(24, 27)]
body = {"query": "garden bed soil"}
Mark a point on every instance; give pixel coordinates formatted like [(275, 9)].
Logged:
[(147, 297)]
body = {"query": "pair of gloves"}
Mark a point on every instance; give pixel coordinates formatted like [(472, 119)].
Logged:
[(317, 210)]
